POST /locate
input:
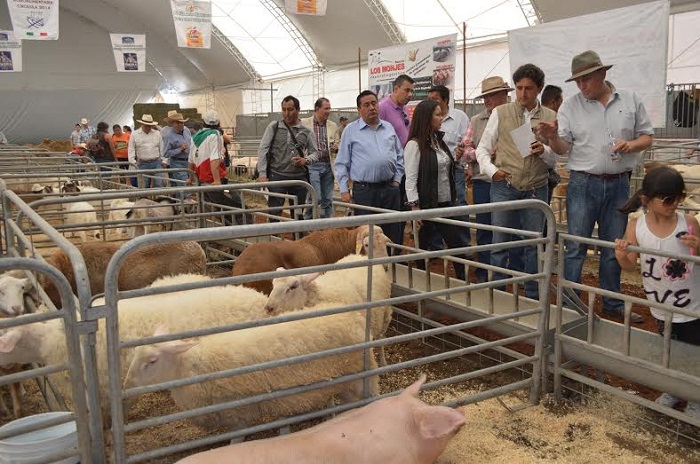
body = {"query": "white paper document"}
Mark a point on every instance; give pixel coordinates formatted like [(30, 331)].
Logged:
[(523, 138)]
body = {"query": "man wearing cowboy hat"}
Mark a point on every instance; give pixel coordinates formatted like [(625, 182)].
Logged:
[(86, 131), (604, 130), (146, 150), (176, 143), (494, 91)]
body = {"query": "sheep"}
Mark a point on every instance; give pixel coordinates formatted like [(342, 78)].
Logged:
[(82, 213), (185, 358), (322, 247), (144, 208), (140, 269), (337, 287), (184, 310), (118, 210)]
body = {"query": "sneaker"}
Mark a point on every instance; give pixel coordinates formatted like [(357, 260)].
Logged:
[(669, 401), (693, 410), (620, 314)]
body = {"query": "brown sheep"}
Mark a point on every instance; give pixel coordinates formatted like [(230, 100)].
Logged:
[(322, 247), (141, 268)]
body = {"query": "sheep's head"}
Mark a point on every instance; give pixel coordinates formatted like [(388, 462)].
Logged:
[(379, 245), (70, 187), (290, 293), (12, 291)]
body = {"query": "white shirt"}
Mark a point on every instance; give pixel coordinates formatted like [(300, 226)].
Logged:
[(454, 125), (489, 138), (145, 147), (412, 163)]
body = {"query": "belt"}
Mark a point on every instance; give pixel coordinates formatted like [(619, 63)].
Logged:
[(372, 184), (607, 176)]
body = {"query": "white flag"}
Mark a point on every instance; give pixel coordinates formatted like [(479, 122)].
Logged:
[(10, 52), (129, 52), (33, 19), (192, 23), (307, 7)]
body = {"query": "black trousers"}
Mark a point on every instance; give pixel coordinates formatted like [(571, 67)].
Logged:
[(231, 199), (380, 195), (276, 202)]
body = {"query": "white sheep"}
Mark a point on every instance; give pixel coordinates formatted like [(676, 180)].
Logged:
[(118, 209), (141, 268), (321, 247), (335, 288), (144, 208), (184, 310), (186, 358), (82, 213), (12, 291)]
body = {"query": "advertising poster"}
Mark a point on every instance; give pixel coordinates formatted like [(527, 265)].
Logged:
[(34, 19), (129, 52), (429, 62), (307, 7), (10, 52), (192, 23)]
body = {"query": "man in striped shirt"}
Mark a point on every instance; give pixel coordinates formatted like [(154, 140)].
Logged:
[(320, 173)]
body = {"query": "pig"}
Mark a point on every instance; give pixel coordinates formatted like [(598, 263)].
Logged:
[(395, 430)]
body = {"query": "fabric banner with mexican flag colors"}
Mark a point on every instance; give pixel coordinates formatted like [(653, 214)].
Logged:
[(192, 23), (10, 52), (307, 7), (129, 52), (34, 19)]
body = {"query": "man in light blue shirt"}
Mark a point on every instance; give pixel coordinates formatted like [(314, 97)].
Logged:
[(371, 156), (176, 143)]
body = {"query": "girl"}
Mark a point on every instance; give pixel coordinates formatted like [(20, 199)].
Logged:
[(669, 280), (430, 179)]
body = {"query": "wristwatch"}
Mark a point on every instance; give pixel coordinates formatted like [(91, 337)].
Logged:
[(411, 204)]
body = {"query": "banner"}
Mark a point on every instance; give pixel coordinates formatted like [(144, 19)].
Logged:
[(10, 52), (34, 19), (192, 23), (307, 7), (129, 52), (429, 62)]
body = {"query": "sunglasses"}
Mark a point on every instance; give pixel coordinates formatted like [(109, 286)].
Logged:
[(405, 120), (671, 199)]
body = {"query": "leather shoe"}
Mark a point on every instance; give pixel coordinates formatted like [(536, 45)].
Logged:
[(620, 314)]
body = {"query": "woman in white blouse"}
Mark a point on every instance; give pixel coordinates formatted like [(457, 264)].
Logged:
[(430, 179)]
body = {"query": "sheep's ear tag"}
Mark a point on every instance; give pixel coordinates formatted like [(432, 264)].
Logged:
[(358, 248)]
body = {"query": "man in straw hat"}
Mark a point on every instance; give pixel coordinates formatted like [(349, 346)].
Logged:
[(517, 172), (494, 91), (146, 151), (86, 131), (176, 143), (603, 129)]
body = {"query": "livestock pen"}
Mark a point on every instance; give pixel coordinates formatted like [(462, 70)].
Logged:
[(438, 321)]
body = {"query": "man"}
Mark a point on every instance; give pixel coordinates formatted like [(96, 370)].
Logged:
[(392, 109), (281, 158), (604, 130), (552, 98), (343, 121), (75, 135), (321, 173), (86, 131), (146, 151), (176, 143), (206, 161), (516, 175), (121, 146), (375, 175), (494, 92)]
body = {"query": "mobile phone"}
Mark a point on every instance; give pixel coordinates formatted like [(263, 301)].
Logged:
[(681, 233)]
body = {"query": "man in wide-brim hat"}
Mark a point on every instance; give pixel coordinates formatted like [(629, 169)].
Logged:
[(146, 151), (177, 141), (604, 130), (492, 85)]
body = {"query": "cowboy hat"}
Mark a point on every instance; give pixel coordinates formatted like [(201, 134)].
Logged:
[(147, 119), (493, 84), (175, 116), (84, 121), (82, 145), (586, 63)]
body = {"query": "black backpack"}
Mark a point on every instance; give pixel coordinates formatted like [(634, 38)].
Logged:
[(95, 148)]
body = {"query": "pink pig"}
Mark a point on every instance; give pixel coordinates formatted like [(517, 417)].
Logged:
[(396, 430)]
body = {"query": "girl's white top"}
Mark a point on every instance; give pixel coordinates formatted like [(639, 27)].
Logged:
[(669, 280)]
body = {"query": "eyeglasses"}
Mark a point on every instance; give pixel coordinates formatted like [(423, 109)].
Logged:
[(671, 199), (405, 119)]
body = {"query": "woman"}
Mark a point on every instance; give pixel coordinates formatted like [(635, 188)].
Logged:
[(430, 179), (102, 146)]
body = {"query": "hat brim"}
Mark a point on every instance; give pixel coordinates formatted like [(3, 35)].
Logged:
[(169, 120), (588, 71), (147, 123), (501, 89)]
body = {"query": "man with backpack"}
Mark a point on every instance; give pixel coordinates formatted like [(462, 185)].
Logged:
[(286, 148)]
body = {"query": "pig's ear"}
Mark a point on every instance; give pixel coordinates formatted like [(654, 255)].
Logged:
[(414, 389), (438, 421)]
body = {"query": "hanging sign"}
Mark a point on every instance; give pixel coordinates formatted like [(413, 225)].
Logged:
[(192, 23), (10, 52), (34, 19), (306, 7), (129, 52)]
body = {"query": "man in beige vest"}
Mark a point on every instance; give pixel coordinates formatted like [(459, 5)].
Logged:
[(517, 173), (494, 91)]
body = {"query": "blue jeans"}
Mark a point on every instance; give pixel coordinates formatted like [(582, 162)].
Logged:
[(591, 200), (522, 219), (321, 178), (460, 186), (178, 179), (481, 191), (151, 179)]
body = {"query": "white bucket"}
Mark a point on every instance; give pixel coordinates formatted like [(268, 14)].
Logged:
[(40, 444)]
